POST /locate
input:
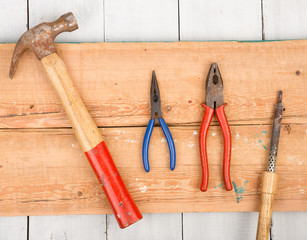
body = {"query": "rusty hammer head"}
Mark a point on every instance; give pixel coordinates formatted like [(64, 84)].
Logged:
[(41, 38)]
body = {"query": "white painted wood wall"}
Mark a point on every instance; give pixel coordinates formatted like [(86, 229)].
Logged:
[(157, 20)]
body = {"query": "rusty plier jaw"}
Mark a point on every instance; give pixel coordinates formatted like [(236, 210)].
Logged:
[(214, 86), (155, 99)]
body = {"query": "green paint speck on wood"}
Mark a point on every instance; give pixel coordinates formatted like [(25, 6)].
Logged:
[(239, 190)]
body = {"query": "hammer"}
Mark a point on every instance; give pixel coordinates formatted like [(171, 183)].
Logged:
[(41, 40)]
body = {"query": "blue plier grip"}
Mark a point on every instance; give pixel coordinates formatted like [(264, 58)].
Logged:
[(170, 142), (146, 141), (169, 139)]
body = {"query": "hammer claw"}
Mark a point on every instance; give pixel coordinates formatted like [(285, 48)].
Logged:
[(41, 39), (20, 47)]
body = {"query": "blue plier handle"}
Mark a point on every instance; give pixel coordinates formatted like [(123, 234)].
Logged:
[(169, 139), (156, 110)]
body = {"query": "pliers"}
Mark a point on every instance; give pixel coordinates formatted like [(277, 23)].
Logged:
[(214, 102), (155, 102)]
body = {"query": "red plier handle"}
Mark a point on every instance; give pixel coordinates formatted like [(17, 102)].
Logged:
[(221, 117)]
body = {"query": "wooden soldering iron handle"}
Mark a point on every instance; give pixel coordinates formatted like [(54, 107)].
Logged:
[(92, 143), (269, 183)]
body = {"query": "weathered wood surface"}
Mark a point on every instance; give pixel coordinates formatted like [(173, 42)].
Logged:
[(145, 20), (114, 81), (13, 19), (220, 226), (220, 20), (242, 226), (89, 15), (284, 19), (13, 228), (45, 172), (78, 227), (285, 226), (295, 221), (152, 227)]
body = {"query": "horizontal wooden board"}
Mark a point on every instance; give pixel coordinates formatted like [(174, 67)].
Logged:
[(114, 81), (43, 171)]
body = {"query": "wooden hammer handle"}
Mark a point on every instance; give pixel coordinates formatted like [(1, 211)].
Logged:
[(269, 183), (92, 143), (85, 129)]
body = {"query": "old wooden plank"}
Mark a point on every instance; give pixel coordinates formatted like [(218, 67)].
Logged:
[(77, 227), (220, 20), (284, 19), (89, 16), (147, 20), (218, 226), (114, 81), (13, 19), (48, 174), (289, 225), (13, 228), (164, 226), (286, 225)]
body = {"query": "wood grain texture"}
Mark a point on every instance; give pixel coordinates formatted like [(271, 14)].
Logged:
[(219, 226), (284, 221), (284, 19), (89, 15), (220, 20), (113, 79), (145, 20), (91, 142), (289, 225), (13, 19), (77, 227), (13, 228), (242, 226), (153, 226), (84, 127), (59, 180), (269, 184)]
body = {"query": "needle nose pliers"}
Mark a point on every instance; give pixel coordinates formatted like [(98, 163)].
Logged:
[(214, 102), (155, 102)]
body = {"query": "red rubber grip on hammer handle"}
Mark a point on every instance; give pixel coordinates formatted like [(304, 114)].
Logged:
[(123, 206), (205, 123), (221, 117)]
